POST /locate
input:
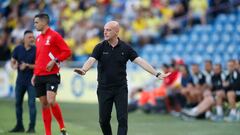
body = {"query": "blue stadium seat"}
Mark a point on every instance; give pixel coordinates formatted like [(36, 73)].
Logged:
[(226, 57), (225, 38), (197, 58), (214, 38), (148, 49), (81, 57), (165, 58), (210, 48), (172, 39), (200, 29), (222, 18), (159, 48), (231, 48), (189, 48), (169, 48), (183, 38), (218, 41), (232, 18), (220, 48), (218, 27), (200, 48), (217, 58), (193, 38), (204, 38), (229, 27), (180, 48)]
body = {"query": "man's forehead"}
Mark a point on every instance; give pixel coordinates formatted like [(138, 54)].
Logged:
[(108, 26)]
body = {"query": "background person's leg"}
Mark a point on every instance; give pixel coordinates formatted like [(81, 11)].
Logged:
[(32, 107), (19, 94)]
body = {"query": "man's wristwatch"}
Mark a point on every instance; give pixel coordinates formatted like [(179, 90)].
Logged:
[(158, 74)]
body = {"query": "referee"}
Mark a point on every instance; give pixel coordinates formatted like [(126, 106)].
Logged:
[(51, 50), (112, 55)]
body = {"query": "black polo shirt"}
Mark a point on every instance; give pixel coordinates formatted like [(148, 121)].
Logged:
[(28, 56), (234, 80), (112, 63), (199, 79), (217, 81)]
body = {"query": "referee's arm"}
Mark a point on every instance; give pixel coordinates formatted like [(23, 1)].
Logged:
[(86, 66), (147, 67)]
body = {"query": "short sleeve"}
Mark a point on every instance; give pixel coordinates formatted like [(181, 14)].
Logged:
[(132, 53), (190, 80), (14, 54), (96, 52)]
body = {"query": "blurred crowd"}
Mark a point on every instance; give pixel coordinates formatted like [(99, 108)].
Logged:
[(191, 93), (81, 22)]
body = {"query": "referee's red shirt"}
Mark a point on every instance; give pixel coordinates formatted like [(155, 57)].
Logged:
[(49, 42)]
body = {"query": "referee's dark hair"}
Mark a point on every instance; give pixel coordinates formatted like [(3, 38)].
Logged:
[(27, 31), (43, 16)]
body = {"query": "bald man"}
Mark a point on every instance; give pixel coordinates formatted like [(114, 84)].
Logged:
[(112, 55)]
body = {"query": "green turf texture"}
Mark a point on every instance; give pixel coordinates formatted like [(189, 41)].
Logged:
[(82, 119)]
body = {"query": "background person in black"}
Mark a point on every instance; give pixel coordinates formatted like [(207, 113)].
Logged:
[(217, 80), (23, 60), (112, 55), (199, 82), (200, 92), (231, 86)]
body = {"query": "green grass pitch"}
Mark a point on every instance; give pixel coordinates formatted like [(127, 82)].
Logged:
[(82, 119)]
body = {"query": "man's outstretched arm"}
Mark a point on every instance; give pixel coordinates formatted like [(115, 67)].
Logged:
[(147, 67), (86, 66)]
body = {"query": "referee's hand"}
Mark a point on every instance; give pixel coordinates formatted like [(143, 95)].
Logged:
[(80, 71)]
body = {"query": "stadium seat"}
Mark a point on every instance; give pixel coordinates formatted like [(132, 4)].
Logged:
[(172, 39), (217, 41)]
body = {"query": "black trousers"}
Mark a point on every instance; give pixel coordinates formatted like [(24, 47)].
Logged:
[(20, 91), (106, 98)]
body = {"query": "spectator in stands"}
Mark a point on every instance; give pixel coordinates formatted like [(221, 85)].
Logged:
[(218, 6), (178, 19), (5, 53), (197, 10)]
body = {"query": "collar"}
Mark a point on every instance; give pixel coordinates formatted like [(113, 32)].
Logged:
[(118, 44), (47, 31)]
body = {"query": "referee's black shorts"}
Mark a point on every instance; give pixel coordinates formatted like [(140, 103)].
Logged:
[(46, 83)]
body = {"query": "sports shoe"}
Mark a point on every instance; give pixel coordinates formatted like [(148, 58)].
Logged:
[(17, 129), (186, 117), (188, 112), (217, 118), (231, 118), (30, 130), (63, 131), (175, 114)]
